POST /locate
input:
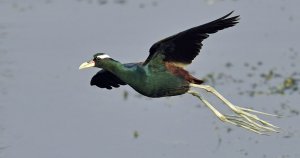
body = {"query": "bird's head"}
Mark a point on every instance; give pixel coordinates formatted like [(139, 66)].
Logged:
[(98, 58)]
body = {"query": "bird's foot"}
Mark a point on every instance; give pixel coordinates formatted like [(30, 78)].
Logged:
[(243, 117)]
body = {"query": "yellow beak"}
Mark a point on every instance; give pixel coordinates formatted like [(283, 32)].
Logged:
[(87, 65)]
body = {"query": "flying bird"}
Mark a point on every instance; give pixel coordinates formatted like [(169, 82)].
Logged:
[(162, 74)]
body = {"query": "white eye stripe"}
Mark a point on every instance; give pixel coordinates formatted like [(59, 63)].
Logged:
[(103, 56)]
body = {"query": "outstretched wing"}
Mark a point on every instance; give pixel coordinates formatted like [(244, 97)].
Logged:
[(183, 47), (105, 79)]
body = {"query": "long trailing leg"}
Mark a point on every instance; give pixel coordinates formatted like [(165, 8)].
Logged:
[(226, 118), (243, 116)]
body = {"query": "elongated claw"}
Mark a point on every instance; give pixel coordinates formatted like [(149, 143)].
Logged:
[(258, 112), (243, 117), (254, 119)]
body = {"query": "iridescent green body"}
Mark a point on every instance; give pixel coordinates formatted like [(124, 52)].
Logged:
[(152, 80)]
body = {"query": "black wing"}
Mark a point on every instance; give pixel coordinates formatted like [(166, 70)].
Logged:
[(185, 46), (105, 79)]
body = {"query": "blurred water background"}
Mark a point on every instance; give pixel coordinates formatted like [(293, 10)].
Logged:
[(48, 109)]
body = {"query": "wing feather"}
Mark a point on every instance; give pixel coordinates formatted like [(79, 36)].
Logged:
[(185, 46), (105, 79)]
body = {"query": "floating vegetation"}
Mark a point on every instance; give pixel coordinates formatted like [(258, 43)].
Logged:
[(289, 84), (220, 79), (267, 76), (102, 2), (121, 2), (267, 83), (228, 65), (210, 78), (141, 5), (270, 75), (125, 95), (6, 72), (228, 130), (244, 152), (211, 2), (259, 63), (136, 134)]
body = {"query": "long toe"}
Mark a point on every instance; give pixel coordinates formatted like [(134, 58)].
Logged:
[(245, 118)]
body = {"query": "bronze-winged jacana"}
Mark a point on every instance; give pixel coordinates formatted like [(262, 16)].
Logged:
[(163, 73)]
